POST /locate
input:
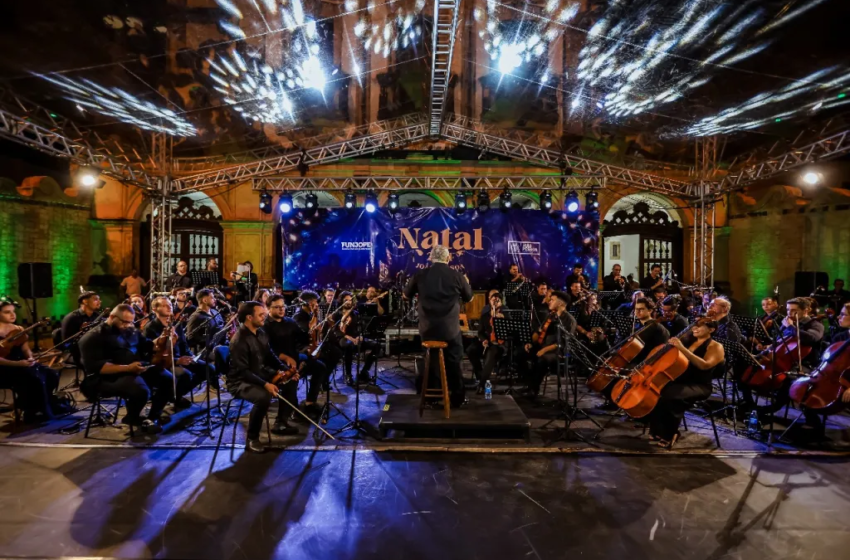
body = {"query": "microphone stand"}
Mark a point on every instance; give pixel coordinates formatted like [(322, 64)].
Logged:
[(356, 424)]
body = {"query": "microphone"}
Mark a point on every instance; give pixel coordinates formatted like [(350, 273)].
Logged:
[(776, 290)]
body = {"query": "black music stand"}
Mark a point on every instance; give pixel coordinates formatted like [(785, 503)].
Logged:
[(625, 324), (737, 357), (377, 331), (205, 278), (513, 327), (519, 292), (611, 299), (360, 428)]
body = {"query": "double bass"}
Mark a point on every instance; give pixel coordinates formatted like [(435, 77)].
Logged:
[(622, 356), (639, 394), (823, 389)]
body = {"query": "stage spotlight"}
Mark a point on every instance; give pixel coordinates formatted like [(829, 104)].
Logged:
[(572, 203), (311, 201), (284, 203), (811, 178), (392, 202), (350, 200), (505, 201), (371, 202), (483, 201), (591, 201), (90, 177), (266, 203), (460, 202), (546, 200)]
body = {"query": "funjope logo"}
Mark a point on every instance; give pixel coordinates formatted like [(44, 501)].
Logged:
[(356, 245)]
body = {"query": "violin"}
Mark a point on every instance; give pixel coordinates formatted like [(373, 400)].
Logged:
[(537, 338), (771, 373), (163, 347), (315, 333), (622, 356), (822, 390), (17, 337), (638, 395)]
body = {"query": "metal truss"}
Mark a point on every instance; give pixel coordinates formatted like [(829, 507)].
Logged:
[(444, 32), (826, 148), (706, 157), (430, 183), (161, 202), (464, 134), (199, 164), (32, 125), (312, 156)]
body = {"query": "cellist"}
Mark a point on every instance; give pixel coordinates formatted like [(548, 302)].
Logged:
[(704, 356), (545, 352)]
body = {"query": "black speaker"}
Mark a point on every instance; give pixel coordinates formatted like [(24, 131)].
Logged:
[(35, 280), (805, 283)]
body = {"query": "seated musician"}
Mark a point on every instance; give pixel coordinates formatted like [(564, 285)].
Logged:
[(629, 307), (348, 330), (545, 352), (138, 303), (183, 302), (374, 298), (486, 346), (256, 374), (838, 296), (512, 297), (541, 291), (475, 349), (326, 345), (212, 266), (614, 282), (190, 373), (844, 326), (658, 294), (810, 333), (73, 322), (33, 383), (578, 275), (112, 353), (206, 322), (245, 282), (262, 295), (718, 310), (768, 325), (704, 356), (593, 337), (653, 280), (670, 317), (179, 279), (288, 341)]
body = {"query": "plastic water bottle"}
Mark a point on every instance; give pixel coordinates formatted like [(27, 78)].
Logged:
[(753, 428), (488, 391)]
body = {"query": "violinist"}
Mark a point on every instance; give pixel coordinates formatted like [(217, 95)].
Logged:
[(327, 304), (112, 353), (844, 325), (262, 295), (323, 344), (205, 322), (179, 279), (475, 349), (768, 325), (670, 317), (138, 303), (190, 374), (718, 310), (288, 342), (257, 375), (541, 291), (658, 295), (33, 383), (490, 348), (595, 337), (183, 301), (348, 330), (544, 352), (704, 357), (654, 280), (614, 282), (374, 298), (73, 322)]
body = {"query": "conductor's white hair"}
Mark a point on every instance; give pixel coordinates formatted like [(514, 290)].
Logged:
[(439, 254)]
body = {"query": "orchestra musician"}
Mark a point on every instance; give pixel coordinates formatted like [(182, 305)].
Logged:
[(545, 352), (139, 304), (374, 298), (32, 383), (441, 289), (541, 291), (262, 295), (654, 280), (475, 349), (628, 308), (206, 320), (257, 375), (704, 357), (113, 353), (838, 296), (87, 312), (614, 282), (183, 302), (489, 347), (212, 266), (718, 310), (348, 330), (512, 296), (288, 341), (844, 334), (245, 282), (579, 276), (594, 337), (671, 319), (322, 342), (575, 292), (767, 325), (179, 279), (658, 295)]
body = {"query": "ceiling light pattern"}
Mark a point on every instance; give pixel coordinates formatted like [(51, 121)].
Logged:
[(122, 106), (400, 30)]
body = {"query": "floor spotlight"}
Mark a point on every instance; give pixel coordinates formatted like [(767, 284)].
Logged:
[(546, 200), (571, 204), (311, 201), (266, 203), (371, 202), (460, 202), (350, 200), (505, 201), (811, 178), (483, 201), (284, 203), (392, 202), (591, 201)]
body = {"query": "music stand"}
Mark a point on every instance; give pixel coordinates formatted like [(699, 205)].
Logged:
[(205, 278), (611, 299), (378, 329), (518, 292), (514, 326), (746, 324), (737, 357), (625, 324)]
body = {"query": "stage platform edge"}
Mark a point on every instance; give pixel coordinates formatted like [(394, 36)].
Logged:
[(500, 418)]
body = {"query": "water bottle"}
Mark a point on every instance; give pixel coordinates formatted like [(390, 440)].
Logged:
[(753, 428), (488, 391)]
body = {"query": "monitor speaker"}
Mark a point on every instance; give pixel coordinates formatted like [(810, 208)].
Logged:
[(35, 280)]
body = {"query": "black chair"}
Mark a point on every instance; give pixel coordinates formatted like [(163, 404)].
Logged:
[(709, 413), (236, 421), (15, 409), (96, 408)]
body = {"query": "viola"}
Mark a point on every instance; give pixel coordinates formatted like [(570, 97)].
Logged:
[(17, 337), (822, 390), (537, 338), (163, 347), (638, 395), (622, 356), (770, 374)]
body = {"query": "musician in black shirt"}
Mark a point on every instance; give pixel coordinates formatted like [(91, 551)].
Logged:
[(718, 311), (546, 352), (579, 276), (614, 282), (348, 330), (650, 332), (488, 346), (257, 375), (654, 280), (112, 353), (245, 282), (183, 302), (72, 323), (670, 318), (180, 279)]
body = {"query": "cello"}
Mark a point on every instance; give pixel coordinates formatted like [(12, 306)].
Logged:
[(771, 372), (822, 390), (622, 356), (639, 393)]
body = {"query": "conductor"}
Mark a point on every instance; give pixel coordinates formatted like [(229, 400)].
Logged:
[(440, 290)]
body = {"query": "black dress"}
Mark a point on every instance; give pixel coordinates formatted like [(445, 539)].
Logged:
[(33, 386)]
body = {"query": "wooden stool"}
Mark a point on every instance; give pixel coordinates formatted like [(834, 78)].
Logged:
[(444, 387)]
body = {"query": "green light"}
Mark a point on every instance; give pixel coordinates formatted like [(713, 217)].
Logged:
[(778, 120), (842, 95), (53, 115)]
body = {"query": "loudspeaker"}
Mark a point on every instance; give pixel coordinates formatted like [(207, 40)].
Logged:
[(805, 283), (35, 280)]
